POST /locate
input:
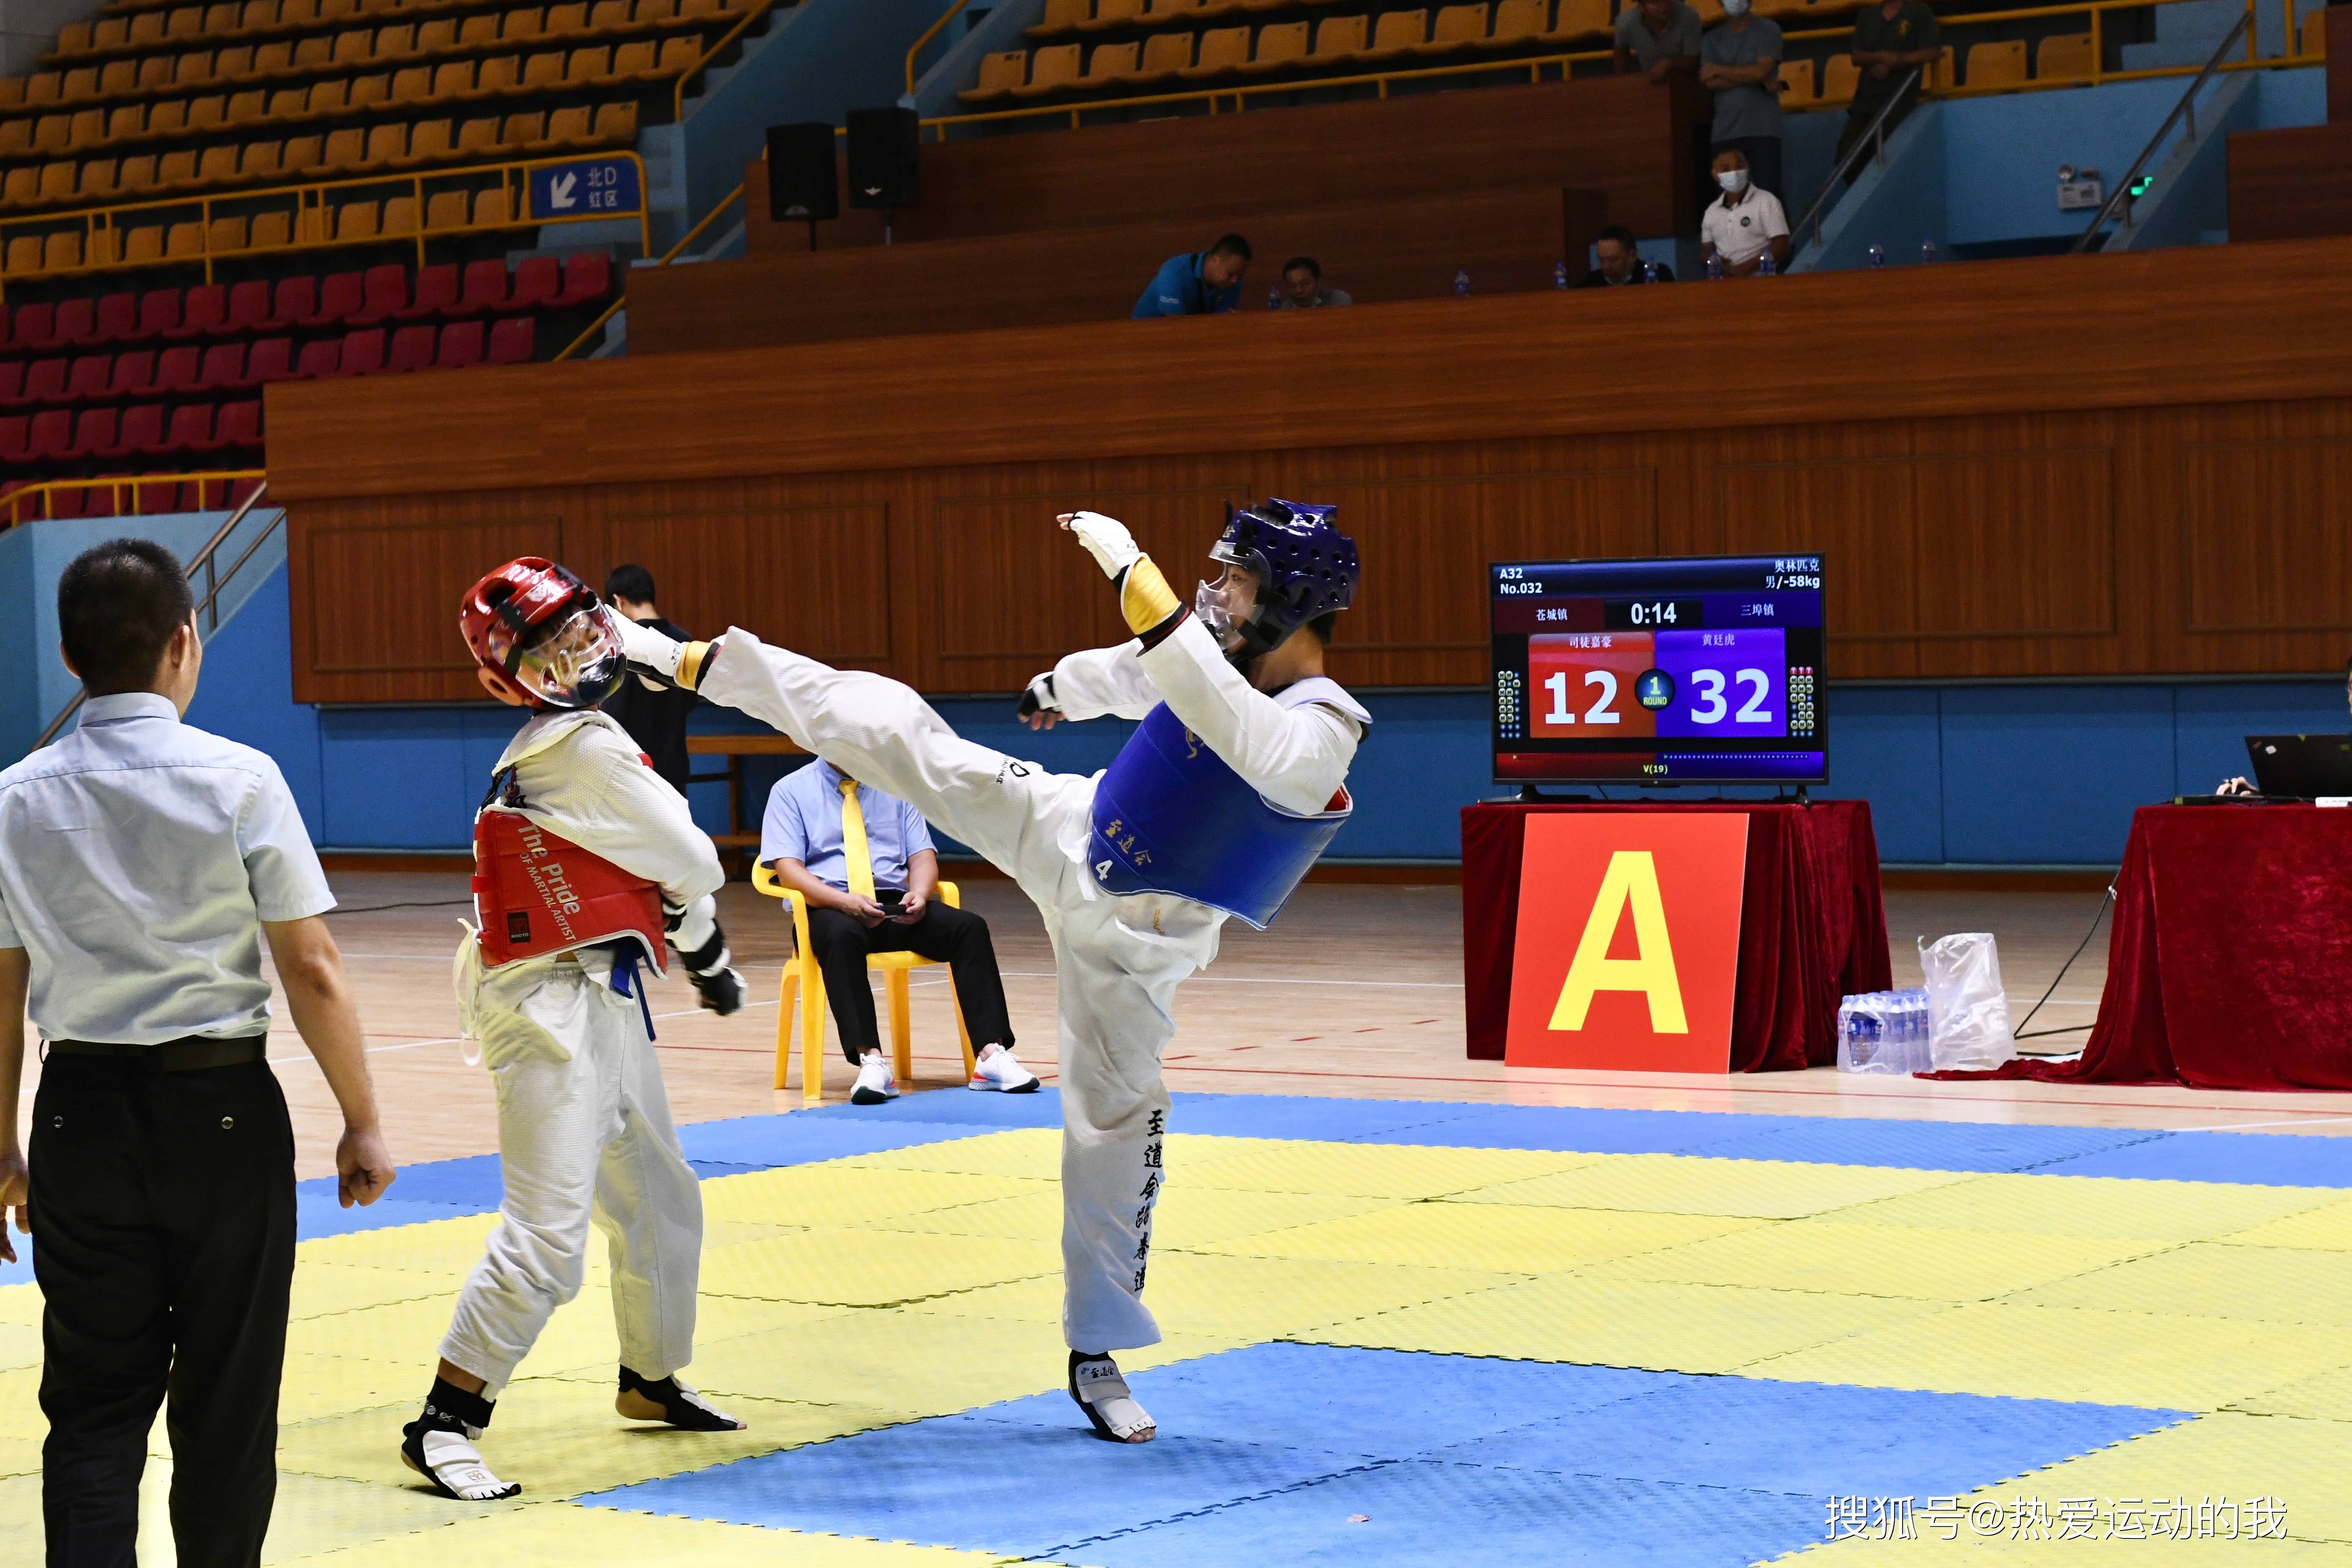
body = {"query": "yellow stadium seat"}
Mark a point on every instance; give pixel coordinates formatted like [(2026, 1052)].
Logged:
[(207, 112), (491, 209), (263, 163), (186, 22), (195, 69), (111, 33), (387, 145), (356, 220), (355, 48), (1797, 82), (24, 255), (304, 155), (184, 239), (1456, 27), (19, 186), (396, 43), (273, 230), (635, 62), (1165, 57), (454, 79), (1396, 33), (122, 125), (1224, 50), (679, 55), (429, 141), (413, 85), (228, 233), (16, 135), (1111, 65), (478, 136), (80, 84), (235, 66), (1997, 65), (1062, 15), (335, 10), (1051, 69), (1280, 46), (98, 179), (272, 59), (89, 129), (251, 107), (521, 26), (105, 247), (135, 173), (367, 92), (345, 148), (53, 133), (617, 125), (73, 39), (1157, 11), (118, 78), (562, 21), (217, 166), (1582, 19), (2067, 58), (565, 127), (224, 18), (399, 217), (2315, 35), (1339, 39), (607, 17), (543, 71), (58, 181), (1001, 75), (445, 210), (1116, 13), (289, 103), (586, 66), (1840, 76), (521, 131), (478, 32), (437, 38), (1517, 22), (498, 75), (142, 245), (61, 252), (314, 53)]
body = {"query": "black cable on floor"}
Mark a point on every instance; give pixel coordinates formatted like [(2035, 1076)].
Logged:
[(412, 904), (2098, 914)]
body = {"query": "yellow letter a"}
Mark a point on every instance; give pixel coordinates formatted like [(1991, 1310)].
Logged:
[(1632, 877)]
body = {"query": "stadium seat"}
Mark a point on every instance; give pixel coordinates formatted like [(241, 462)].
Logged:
[(430, 141), (1050, 70), (1517, 22), (1113, 14), (1590, 19), (223, 369), (1456, 28), (490, 209), (118, 319), (271, 359), (485, 289), (45, 383), (1062, 17), (538, 281), (95, 429), (364, 352), (1996, 65), (512, 340), (523, 132), (1166, 55), (437, 292), (86, 381), (1398, 33), (616, 125), (236, 427), (76, 323), (587, 280), (383, 293), (23, 256), (322, 360), (51, 434), (1840, 76), (159, 312), (412, 349), (2066, 56), (1281, 45), (1797, 82), (133, 376), (37, 326), (287, 306), (140, 433), (13, 438), (2315, 35), (341, 295), (12, 384), (1111, 65), (176, 369), (461, 346), (1339, 39), (1224, 50)]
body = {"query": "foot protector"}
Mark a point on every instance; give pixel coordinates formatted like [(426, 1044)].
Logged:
[(669, 1400), (451, 1462), (1101, 1393)]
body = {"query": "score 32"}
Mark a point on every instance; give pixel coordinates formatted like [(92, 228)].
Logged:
[(1638, 684)]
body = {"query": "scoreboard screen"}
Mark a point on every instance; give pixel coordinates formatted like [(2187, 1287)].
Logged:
[(1696, 670)]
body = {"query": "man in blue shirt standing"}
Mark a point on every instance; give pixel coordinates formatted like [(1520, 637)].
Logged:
[(863, 861), (1203, 283)]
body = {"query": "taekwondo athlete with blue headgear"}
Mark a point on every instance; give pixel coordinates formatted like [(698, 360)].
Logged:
[(1216, 806)]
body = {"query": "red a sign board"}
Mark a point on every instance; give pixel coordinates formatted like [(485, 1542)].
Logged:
[(1627, 948)]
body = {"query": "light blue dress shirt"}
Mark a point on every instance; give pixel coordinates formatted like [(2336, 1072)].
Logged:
[(803, 824), (139, 856)]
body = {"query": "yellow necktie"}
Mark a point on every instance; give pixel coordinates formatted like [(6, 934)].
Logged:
[(853, 849)]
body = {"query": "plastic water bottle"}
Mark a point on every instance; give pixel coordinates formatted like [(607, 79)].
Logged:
[(1878, 255), (1768, 265), (1649, 272), (1927, 253), (1461, 281), (1559, 277), (1715, 266), (1274, 297)]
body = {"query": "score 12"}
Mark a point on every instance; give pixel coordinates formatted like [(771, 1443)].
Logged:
[(1581, 686)]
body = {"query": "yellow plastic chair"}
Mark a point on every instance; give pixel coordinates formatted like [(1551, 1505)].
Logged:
[(805, 979)]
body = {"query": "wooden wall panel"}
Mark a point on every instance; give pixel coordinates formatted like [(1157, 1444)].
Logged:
[(820, 573), (354, 628), (2291, 184), (2014, 544), (2284, 567)]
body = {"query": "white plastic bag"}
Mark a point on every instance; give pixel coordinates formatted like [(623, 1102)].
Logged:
[(1967, 1011)]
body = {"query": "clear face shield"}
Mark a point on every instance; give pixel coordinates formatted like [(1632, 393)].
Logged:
[(576, 665), (1225, 606)]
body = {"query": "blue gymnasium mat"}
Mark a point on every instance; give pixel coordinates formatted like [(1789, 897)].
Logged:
[(1282, 1442)]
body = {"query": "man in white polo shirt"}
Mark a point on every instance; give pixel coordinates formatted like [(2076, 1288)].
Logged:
[(141, 864), (1744, 223)]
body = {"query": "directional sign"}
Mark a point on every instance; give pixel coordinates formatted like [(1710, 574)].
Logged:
[(586, 187)]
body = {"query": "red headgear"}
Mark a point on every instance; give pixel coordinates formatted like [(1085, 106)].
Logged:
[(536, 624)]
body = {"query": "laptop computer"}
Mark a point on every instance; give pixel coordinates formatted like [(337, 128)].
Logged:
[(2300, 767)]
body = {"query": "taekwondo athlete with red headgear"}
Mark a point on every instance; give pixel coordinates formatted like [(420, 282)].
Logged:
[(1224, 795), (587, 868)]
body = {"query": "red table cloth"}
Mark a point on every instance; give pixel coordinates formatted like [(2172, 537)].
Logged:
[(1813, 926), (2230, 966)]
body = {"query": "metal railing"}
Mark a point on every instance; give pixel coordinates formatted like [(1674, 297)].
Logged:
[(949, 15), (19, 505), (310, 216), (1872, 140), (672, 254), (208, 607), (2120, 194)]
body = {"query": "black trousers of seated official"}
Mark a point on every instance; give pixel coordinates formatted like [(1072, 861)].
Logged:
[(952, 937), (163, 1212)]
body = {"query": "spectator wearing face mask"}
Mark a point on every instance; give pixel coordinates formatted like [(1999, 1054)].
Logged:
[(1740, 63), (1744, 222), (1619, 262)]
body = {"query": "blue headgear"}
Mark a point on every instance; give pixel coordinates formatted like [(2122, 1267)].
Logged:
[(1305, 567)]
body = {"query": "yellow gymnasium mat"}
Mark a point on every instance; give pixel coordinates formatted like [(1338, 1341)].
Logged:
[(1397, 1332)]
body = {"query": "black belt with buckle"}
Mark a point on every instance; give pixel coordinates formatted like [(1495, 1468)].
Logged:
[(193, 1053)]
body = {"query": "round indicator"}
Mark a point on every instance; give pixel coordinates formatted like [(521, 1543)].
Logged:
[(1654, 689)]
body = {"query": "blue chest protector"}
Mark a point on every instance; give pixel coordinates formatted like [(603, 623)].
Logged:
[(1170, 817)]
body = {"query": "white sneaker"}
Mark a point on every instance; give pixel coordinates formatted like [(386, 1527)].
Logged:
[(874, 1084), (995, 1069)]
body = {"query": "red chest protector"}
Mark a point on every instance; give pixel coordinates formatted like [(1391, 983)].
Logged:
[(535, 892)]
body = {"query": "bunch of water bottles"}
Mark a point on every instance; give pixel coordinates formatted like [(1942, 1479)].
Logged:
[(1884, 1032)]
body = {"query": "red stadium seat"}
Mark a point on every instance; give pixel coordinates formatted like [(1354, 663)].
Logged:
[(12, 384), (159, 312), (461, 345), (364, 352), (341, 296), (45, 381), (271, 359), (485, 292), (437, 292), (587, 279), (7, 332), (537, 282), (176, 369), (117, 318), (12, 437), (235, 492), (223, 368), (87, 381), (384, 295), (52, 433), (298, 298), (76, 324), (202, 314), (512, 340), (134, 373), (248, 306), (192, 428), (56, 504), (94, 431), (412, 349), (323, 359), (237, 429), (141, 434), (37, 327)]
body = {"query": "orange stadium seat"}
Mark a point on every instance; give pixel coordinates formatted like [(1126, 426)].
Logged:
[(429, 141), (1585, 19), (521, 130), (1997, 65), (491, 209), (1159, 11), (1001, 75), (566, 128), (1165, 57), (387, 145), (399, 217), (1797, 83), (1517, 22), (543, 71), (1840, 76), (1050, 70), (617, 125), (445, 210), (304, 156), (1280, 46), (2067, 56), (273, 231), (1456, 27), (58, 182), (1110, 65), (23, 256), (2315, 35), (1339, 39), (98, 179), (228, 233), (1113, 14), (1398, 33), (1224, 50)]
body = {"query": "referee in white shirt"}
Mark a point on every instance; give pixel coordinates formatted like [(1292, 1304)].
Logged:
[(142, 862)]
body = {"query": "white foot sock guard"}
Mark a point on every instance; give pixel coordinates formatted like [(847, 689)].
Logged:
[(439, 1446), (1102, 1394)]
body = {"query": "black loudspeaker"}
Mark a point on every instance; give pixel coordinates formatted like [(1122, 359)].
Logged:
[(802, 178), (884, 158)]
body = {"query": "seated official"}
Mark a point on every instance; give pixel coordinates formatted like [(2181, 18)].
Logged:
[(1204, 283), (1744, 223), (2245, 786), (865, 862), (1302, 287), (1621, 263)]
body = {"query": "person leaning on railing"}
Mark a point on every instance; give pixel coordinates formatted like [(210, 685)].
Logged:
[(1890, 41), (1203, 283)]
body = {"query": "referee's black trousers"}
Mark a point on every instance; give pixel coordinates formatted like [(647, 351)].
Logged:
[(945, 935), (163, 1241)]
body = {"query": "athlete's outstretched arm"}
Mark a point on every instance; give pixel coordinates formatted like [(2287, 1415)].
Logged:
[(1103, 682)]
